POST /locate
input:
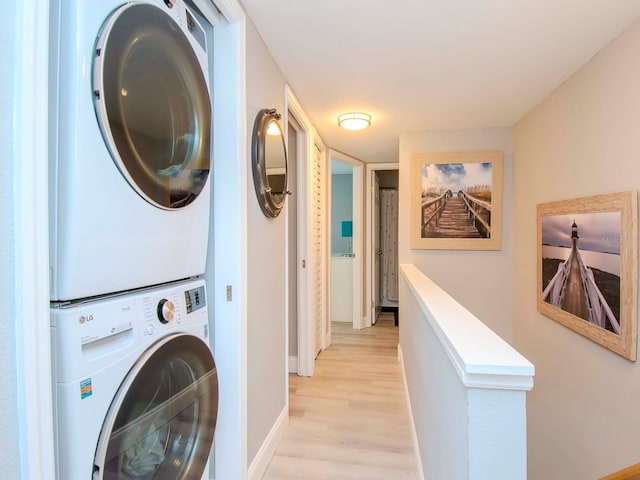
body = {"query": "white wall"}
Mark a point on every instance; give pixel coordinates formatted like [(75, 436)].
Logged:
[(481, 281), (9, 460), (583, 139), (266, 262), (438, 398)]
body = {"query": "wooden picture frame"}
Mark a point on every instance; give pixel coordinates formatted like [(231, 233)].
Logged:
[(588, 268), (456, 200), (629, 473)]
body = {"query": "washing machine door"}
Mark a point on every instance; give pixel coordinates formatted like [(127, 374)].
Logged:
[(152, 102), (161, 422)]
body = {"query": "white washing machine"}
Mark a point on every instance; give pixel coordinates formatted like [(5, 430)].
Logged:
[(130, 146), (135, 386)]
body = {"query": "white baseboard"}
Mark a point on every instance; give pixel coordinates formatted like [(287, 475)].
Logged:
[(293, 364), (268, 449), (414, 435)]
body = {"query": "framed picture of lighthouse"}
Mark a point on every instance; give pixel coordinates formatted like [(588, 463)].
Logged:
[(588, 268), (456, 200)]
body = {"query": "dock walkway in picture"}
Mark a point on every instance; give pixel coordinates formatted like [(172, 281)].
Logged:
[(455, 221), (456, 216), (574, 290)]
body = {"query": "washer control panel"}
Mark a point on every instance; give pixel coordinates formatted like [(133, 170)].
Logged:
[(89, 335), (169, 307)]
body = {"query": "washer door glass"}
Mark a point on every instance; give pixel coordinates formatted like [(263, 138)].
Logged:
[(161, 422), (153, 105)]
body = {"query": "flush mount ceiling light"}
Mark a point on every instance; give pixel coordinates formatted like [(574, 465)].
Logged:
[(354, 120)]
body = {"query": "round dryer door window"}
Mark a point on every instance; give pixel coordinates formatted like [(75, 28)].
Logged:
[(161, 422), (152, 102)]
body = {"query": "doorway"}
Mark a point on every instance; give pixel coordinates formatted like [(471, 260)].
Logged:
[(381, 269), (310, 260), (341, 262), (386, 240), (346, 230)]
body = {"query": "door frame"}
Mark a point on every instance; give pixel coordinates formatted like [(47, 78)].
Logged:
[(290, 123), (305, 146), (226, 270), (27, 237), (369, 260), (375, 245), (358, 319)]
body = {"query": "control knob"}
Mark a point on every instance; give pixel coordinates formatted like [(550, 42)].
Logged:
[(166, 310)]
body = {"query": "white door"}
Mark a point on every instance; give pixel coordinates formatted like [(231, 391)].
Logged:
[(292, 246), (375, 192), (311, 241)]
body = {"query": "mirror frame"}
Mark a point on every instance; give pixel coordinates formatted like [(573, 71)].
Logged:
[(270, 207)]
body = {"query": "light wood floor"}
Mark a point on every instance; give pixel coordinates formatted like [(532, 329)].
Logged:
[(349, 421)]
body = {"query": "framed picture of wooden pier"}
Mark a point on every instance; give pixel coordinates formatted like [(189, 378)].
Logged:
[(588, 268), (456, 200)]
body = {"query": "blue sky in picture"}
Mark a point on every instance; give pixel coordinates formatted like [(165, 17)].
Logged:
[(598, 232), (455, 176)]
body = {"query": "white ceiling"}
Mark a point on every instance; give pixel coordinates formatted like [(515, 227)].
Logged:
[(429, 64)]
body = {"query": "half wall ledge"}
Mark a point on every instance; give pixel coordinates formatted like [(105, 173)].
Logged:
[(481, 358), (466, 387)]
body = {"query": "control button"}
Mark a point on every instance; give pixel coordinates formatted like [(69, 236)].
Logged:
[(178, 318), (150, 329), (166, 310)]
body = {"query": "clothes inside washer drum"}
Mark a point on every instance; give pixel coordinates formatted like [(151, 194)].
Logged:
[(144, 451)]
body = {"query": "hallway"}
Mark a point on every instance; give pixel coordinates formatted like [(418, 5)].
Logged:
[(350, 420)]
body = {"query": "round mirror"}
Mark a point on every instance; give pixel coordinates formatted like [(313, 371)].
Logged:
[(269, 162)]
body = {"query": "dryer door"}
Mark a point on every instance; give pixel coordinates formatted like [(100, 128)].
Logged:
[(152, 102), (161, 422)]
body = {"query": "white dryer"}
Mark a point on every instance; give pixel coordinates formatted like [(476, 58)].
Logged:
[(131, 146), (135, 386)]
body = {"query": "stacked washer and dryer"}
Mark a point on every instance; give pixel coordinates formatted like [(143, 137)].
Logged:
[(135, 381)]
